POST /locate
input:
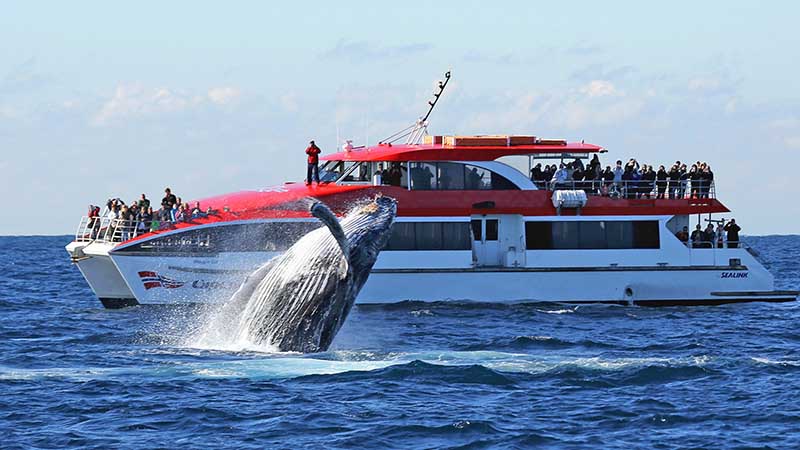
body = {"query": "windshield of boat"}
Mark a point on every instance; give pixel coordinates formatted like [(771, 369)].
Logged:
[(333, 170)]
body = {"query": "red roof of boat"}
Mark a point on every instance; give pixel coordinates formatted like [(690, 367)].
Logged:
[(440, 152)]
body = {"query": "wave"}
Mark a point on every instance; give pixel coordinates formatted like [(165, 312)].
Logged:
[(535, 342), (420, 371)]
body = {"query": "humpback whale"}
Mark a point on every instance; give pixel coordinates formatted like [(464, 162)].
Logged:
[(298, 300)]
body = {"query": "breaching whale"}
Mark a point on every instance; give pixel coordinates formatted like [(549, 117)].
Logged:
[(298, 300)]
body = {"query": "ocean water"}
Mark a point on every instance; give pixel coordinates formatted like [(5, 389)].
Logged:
[(410, 375)]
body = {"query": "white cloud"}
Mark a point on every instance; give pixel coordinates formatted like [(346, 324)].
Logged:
[(224, 95), (136, 100), (7, 112), (600, 88), (704, 84), (792, 141)]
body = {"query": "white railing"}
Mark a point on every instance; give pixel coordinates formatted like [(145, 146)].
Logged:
[(635, 189), (104, 229)]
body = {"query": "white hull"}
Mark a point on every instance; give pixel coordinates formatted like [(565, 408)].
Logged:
[(449, 276)]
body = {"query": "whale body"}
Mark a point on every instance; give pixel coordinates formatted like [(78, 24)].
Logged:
[(299, 300)]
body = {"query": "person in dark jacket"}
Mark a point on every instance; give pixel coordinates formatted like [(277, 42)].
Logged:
[(577, 177), (694, 177), (674, 177), (169, 199), (648, 181), (661, 181), (594, 166), (708, 236), (589, 176), (697, 237), (537, 176), (707, 177), (608, 179), (733, 233), (313, 162)]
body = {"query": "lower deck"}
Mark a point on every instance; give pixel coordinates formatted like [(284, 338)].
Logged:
[(491, 257)]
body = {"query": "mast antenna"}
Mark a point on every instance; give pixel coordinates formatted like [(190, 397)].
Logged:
[(414, 133)]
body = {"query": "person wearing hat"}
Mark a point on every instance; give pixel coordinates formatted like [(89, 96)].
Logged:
[(313, 162)]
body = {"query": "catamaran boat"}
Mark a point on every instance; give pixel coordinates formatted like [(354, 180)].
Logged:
[(471, 226)]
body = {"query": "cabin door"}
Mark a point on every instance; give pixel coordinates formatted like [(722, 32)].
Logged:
[(486, 241), (498, 240)]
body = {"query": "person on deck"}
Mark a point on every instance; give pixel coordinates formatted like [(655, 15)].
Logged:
[(144, 202), (674, 176), (708, 236), (169, 199), (313, 162), (683, 235), (720, 236), (537, 174), (697, 237), (733, 233), (661, 182), (560, 177)]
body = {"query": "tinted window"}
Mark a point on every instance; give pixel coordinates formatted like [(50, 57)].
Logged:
[(423, 176), (538, 235), (402, 237), (591, 235), (451, 176), (645, 234), (455, 236), (565, 235), (619, 234), (491, 229), (250, 237), (429, 236), (477, 234)]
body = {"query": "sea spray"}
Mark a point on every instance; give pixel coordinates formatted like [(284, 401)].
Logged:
[(299, 300)]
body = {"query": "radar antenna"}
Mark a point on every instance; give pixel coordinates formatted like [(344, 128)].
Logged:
[(414, 133)]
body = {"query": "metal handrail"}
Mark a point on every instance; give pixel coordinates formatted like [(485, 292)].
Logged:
[(635, 189), (104, 229)]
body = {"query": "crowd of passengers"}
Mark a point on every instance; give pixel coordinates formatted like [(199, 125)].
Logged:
[(139, 216), (629, 181), (725, 233)]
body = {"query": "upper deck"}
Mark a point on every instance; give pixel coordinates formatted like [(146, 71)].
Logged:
[(468, 148)]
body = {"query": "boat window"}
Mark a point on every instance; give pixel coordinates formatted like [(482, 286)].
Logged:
[(451, 176), (395, 174), (491, 229), (250, 237), (360, 172), (592, 235), (477, 234), (619, 234), (455, 236), (645, 234), (565, 235), (478, 178), (429, 236), (423, 176), (333, 170)]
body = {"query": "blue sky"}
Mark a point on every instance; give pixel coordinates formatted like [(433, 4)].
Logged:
[(99, 100)]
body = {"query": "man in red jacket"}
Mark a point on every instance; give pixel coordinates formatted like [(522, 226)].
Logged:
[(313, 162)]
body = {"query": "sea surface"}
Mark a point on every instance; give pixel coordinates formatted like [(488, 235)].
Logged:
[(410, 375)]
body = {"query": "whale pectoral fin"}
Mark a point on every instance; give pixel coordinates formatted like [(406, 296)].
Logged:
[(326, 216), (245, 291)]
